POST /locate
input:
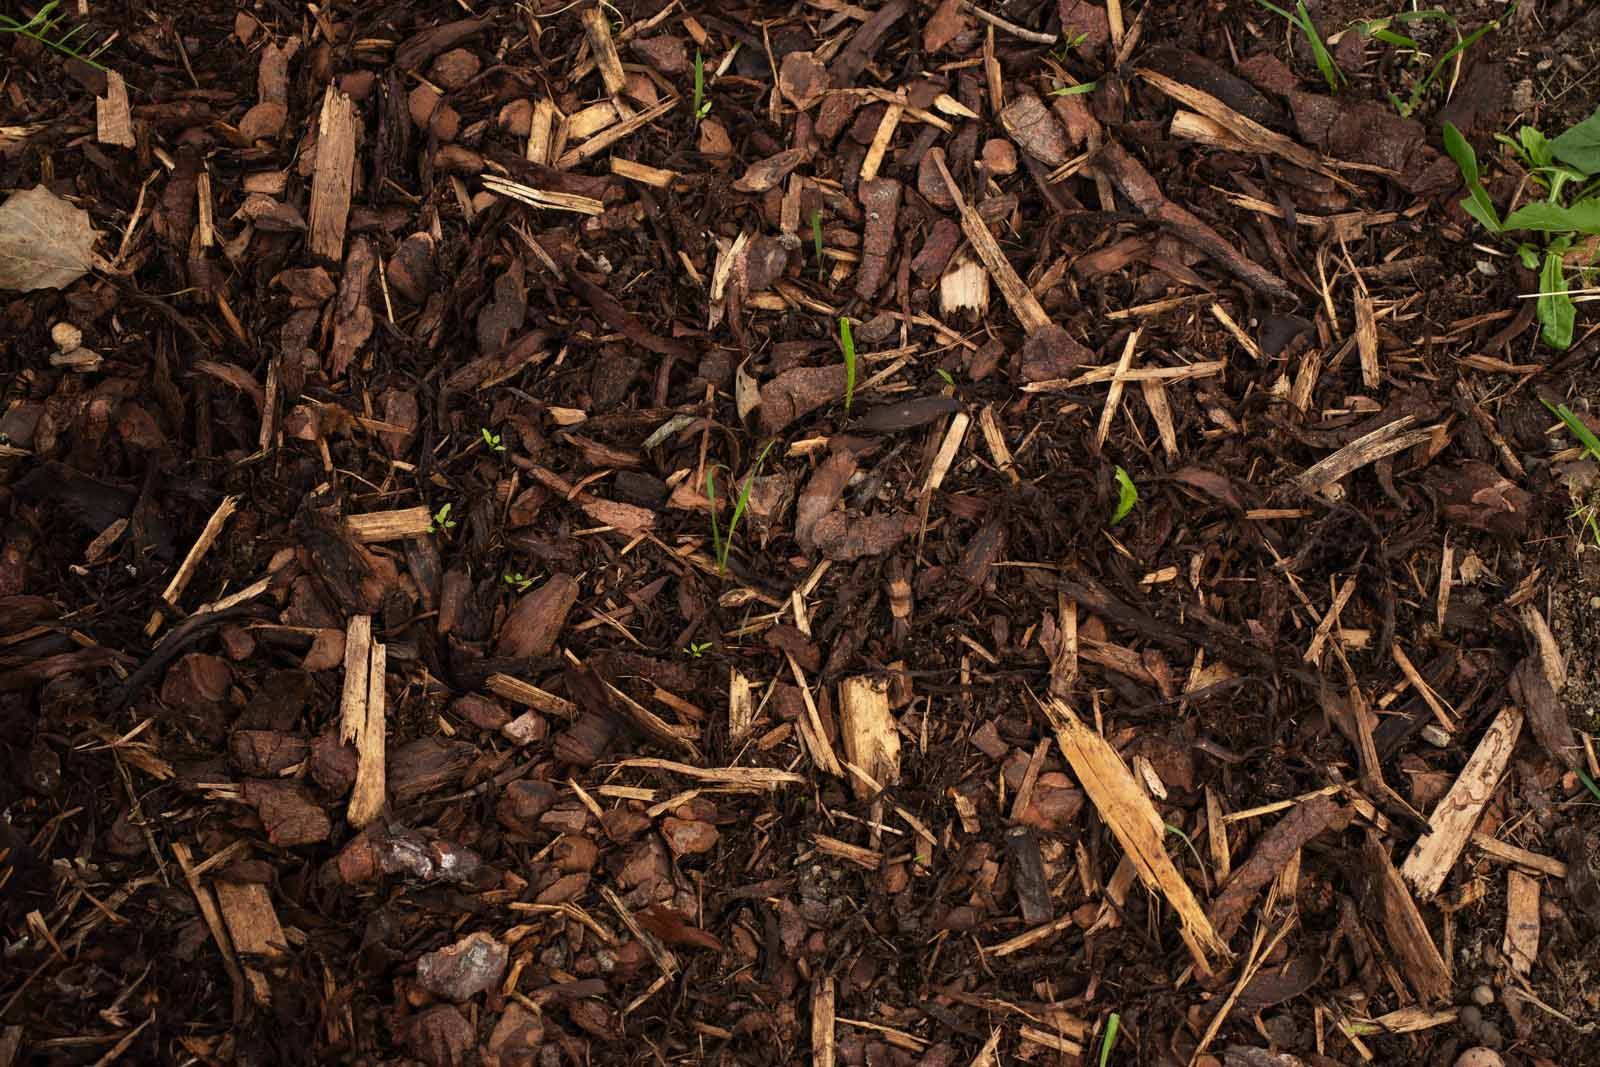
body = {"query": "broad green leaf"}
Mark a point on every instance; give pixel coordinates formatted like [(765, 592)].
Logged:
[(1535, 146), (1542, 216), (1555, 308), (1529, 254), (1580, 146), (1127, 496), (1477, 204)]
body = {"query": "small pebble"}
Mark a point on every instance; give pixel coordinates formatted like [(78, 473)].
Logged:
[(1434, 734), (1482, 994), (1470, 1019), (1480, 1057), (1491, 1036)]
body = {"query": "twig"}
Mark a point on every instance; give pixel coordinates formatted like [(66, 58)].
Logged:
[(1012, 28)]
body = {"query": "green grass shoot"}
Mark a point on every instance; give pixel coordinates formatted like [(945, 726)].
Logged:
[(722, 542), (44, 27), (702, 106), (1109, 1041), (1301, 20), (1127, 496), (1577, 428), (816, 241), (849, 344), (1410, 105), (1588, 783), (1074, 90)]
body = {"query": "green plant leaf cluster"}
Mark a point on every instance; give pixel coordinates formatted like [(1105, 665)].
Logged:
[(722, 541), (46, 27), (1554, 165)]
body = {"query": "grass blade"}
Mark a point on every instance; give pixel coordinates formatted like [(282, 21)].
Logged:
[(849, 344), (1577, 427), (716, 533), (1109, 1041), (816, 240), (1127, 496), (1477, 204), (1455, 50), (1319, 51)]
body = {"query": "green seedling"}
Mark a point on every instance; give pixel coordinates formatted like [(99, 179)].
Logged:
[(1571, 160), (1591, 444), (702, 106), (1127, 496), (816, 242), (1408, 106), (949, 379), (491, 440), (45, 27), (517, 580), (1109, 1041), (848, 343), (1301, 20), (441, 520), (721, 542), (1588, 783), (697, 649), (1074, 90)]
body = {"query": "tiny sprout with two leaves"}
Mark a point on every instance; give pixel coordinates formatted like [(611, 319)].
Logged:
[(491, 440), (441, 520), (517, 580), (702, 106), (697, 649)]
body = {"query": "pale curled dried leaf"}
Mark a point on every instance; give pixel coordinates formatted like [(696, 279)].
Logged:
[(45, 242)]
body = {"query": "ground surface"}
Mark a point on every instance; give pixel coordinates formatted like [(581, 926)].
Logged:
[(467, 735)]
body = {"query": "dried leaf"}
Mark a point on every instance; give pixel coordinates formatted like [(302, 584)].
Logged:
[(45, 242)]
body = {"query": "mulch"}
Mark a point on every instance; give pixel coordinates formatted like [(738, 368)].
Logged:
[(823, 533)]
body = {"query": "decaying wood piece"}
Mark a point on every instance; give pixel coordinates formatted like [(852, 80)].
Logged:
[(868, 730), (257, 935), (191, 562), (1251, 134), (376, 526), (334, 177), (612, 134), (1407, 932), (741, 705), (113, 119), (362, 718), (823, 1050), (1023, 303), (543, 198), (1273, 852), (1136, 183), (1453, 820), (597, 27), (530, 696), (1521, 944), (213, 918), (1135, 823), (734, 779), (1384, 441)]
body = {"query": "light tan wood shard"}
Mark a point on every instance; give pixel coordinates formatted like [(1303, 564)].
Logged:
[(597, 27), (357, 663), (1521, 944), (257, 935), (880, 141), (1384, 441), (1419, 957), (741, 705), (964, 287), (1023, 303), (191, 562), (1451, 824), (586, 122), (377, 526), (869, 733), (334, 177), (1503, 852), (1193, 126), (1135, 823), (540, 129), (657, 177), (823, 1049), (371, 787), (844, 850), (214, 923), (1412, 1020), (626, 128), (543, 198), (530, 696), (112, 118), (734, 779)]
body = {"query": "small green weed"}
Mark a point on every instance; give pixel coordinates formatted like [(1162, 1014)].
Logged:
[(1109, 1041), (1591, 445), (1380, 29), (1553, 164), (848, 343), (1075, 90), (441, 520), (697, 649), (517, 580), (1127, 496), (816, 242), (949, 379), (1588, 783), (702, 106), (45, 27), (721, 542), (491, 440), (1301, 20)]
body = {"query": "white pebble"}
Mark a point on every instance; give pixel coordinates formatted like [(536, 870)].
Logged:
[(1483, 995), (1480, 1057)]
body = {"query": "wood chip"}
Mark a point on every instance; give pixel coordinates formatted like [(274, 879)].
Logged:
[(869, 733), (1384, 441), (1521, 944), (1425, 969), (541, 198), (257, 935), (1452, 821), (113, 119), (530, 696), (823, 1050), (626, 128), (1135, 823), (597, 28), (334, 177), (376, 526), (1023, 303), (191, 562)]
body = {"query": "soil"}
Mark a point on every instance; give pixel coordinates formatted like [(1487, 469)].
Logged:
[(464, 601)]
